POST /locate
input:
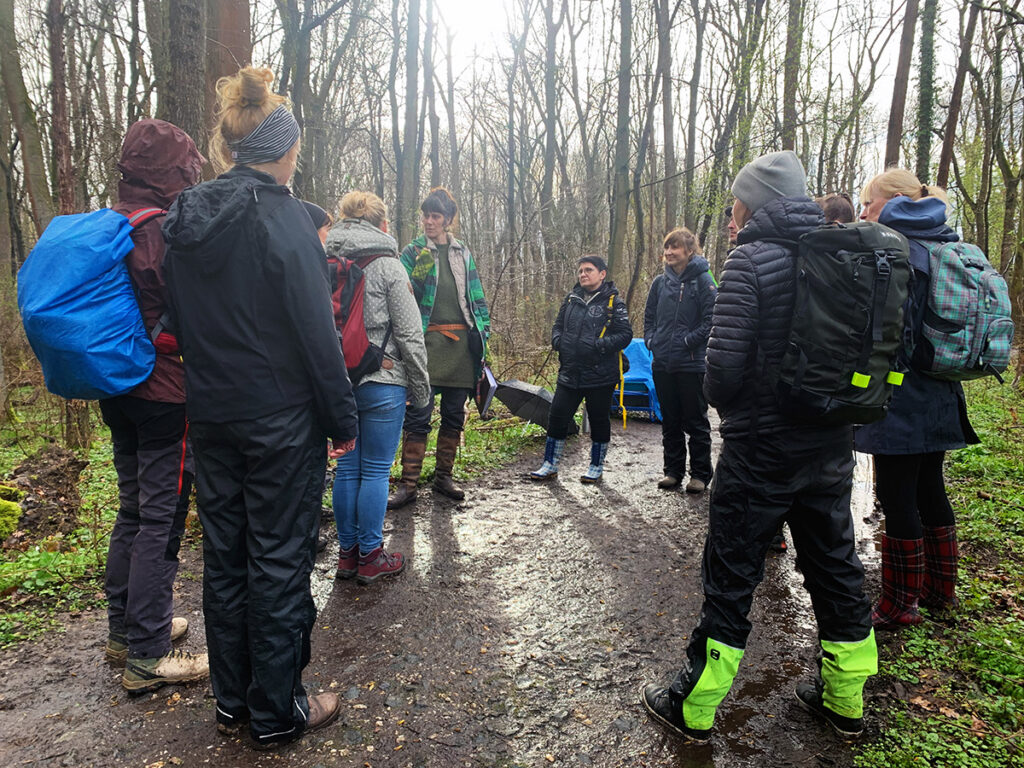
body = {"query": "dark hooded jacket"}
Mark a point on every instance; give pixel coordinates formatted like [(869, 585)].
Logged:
[(925, 415), (158, 160), (588, 359), (677, 318), (752, 319), (252, 305)]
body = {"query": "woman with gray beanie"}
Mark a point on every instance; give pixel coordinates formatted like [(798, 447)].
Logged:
[(266, 387), (771, 469)]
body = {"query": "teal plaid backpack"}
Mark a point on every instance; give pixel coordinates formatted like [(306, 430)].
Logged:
[(967, 330)]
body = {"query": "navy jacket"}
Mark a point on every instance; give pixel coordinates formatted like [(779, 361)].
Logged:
[(926, 415), (677, 318), (248, 286), (588, 359)]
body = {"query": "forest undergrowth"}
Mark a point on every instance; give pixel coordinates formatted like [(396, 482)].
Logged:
[(954, 689)]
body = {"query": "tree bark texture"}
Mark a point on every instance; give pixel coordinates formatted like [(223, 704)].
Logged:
[(228, 49), (899, 90), (791, 73), (620, 165), (407, 186), (61, 127), (926, 90), (187, 49), (956, 98)]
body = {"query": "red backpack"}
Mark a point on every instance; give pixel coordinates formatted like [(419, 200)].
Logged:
[(348, 287)]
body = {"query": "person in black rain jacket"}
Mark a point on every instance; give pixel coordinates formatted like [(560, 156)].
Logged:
[(677, 322), (591, 329), (266, 387)]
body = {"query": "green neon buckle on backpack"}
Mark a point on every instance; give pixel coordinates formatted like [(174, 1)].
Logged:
[(860, 380), (895, 378)]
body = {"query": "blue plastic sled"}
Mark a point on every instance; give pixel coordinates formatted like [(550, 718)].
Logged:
[(639, 395)]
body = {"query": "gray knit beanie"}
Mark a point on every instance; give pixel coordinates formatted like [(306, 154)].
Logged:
[(777, 174)]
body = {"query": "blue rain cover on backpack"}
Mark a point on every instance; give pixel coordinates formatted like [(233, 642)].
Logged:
[(79, 309)]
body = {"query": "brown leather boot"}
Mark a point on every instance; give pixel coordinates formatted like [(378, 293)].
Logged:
[(447, 445), (413, 449)]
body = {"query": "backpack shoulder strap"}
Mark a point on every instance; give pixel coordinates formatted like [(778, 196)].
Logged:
[(139, 217)]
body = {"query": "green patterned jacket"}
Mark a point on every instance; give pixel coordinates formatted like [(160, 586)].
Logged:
[(419, 260)]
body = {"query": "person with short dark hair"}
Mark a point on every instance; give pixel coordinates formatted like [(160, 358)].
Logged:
[(677, 323), (837, 207), (770, 469), (591, 329), (456, 322)]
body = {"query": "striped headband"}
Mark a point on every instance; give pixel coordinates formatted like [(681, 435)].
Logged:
[(270, 140)]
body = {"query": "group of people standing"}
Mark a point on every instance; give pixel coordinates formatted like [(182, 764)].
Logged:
[(243, 283)]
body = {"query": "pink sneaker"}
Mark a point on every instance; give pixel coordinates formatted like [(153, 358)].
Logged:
[(379, 563), (348, 562)]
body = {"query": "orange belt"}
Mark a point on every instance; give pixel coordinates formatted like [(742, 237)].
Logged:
[(446, 329)]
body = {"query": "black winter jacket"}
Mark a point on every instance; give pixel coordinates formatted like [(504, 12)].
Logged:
[(588, 360), (677, 318), (752, 318), (252, 305)]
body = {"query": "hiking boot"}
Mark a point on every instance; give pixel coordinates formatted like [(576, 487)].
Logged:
[(447, 447), (598, 451), (810, 697), (695, 486), (231, 726), (552, 456), (117, 645), (379, 563), (668, 482), (144, 675), (324, 709), (348, 562), (414, 447), (663, 711), (902, 579)]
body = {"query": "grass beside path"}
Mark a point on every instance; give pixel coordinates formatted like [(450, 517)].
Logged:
[(958, 690)]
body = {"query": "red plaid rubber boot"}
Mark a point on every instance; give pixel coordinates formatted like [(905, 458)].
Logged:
[(902, 576), (940, 559)]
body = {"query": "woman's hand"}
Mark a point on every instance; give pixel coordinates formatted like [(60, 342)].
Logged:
[(337, 450)]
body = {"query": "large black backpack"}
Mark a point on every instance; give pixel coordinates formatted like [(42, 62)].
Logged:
[(841, 358)]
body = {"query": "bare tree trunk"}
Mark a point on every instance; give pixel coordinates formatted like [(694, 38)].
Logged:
[(187, 49), (791, 72), (429, 88), (23, 117), (926, 90), (547, 202), (949, 134), (620, 188), (228, 49), (61, 128), (407, 189), (700, 20), (453, 136), (899, 90), (158, 33), (664, 19)]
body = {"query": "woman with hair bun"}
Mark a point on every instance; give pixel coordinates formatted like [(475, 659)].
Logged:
[(677, 324), (456, 323), (926, 418), (266, 386), (392, 321)]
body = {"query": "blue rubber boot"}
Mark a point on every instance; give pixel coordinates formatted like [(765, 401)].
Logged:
[(552, 455), (597, 453)]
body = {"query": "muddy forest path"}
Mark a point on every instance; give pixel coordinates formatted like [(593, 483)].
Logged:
[(520, 634)]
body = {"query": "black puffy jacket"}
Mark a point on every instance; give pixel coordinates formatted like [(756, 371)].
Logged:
[(588, 359), (752, 318), (248, 287), (677, 318)]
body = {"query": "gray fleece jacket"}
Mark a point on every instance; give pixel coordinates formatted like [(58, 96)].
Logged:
[(388, 297)]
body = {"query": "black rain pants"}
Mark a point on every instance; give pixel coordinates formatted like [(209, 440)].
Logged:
[(259, 491)]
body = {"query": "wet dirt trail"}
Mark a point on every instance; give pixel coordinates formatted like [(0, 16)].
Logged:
[(520, 634)]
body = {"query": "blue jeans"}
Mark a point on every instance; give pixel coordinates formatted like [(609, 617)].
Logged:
[(361, 481)]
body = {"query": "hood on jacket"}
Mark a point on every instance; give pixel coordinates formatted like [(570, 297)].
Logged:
[(923, 219), (353, 238), (206, 221), (786, 218), (158, 160)]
